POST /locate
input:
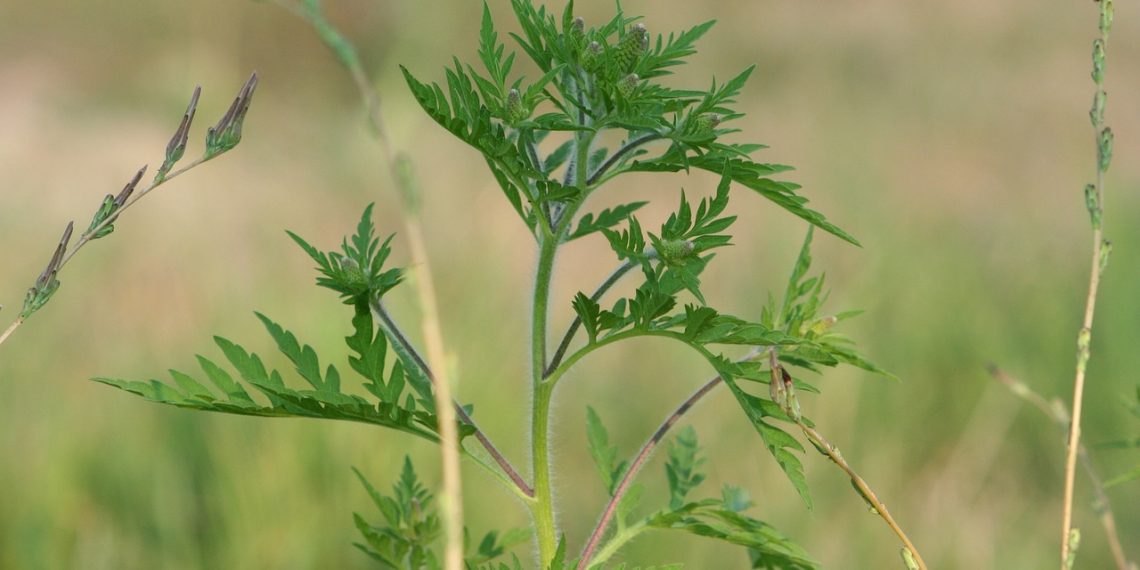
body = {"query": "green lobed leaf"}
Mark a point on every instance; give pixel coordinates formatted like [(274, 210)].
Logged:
[(326, 402), (671, 52), (768, 548), (681, 469), (604, 454), (606, 219), (779, 442), (411, 525), (588, 312)]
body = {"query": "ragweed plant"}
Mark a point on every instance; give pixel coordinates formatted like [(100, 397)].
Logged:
[(600, 104)]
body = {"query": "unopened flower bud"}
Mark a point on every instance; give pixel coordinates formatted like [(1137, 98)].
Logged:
[(516, 111), (793, 407), (627, 84), (354, 275), (676, 251), (592, 57), (792, 403), (705, 123), (822, 325)]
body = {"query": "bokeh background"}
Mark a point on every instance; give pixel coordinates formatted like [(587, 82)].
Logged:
[(951, 138)]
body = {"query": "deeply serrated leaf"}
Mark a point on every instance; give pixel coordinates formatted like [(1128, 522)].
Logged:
[(604, 454), (607, 218), (681, 469)]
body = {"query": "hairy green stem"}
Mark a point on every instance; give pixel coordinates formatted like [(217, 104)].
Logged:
[(546, 528)]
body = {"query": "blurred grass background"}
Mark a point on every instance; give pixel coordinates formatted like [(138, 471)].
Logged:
[(951, 138)]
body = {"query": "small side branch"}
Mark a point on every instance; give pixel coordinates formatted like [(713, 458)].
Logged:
[(563, 346), (910, 553), (635, 467), (832, 452), (466, 418), (11, 328), (618, 154)]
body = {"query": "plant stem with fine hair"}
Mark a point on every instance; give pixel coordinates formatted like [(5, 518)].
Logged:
[(543, 508)]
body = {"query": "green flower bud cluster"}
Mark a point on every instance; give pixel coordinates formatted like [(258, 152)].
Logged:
[(613, 64), (703, 124), (630, 48)]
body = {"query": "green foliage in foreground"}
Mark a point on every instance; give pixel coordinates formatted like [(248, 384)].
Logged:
[(594, 81)]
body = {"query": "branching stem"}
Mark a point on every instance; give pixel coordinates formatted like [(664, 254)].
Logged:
[(618, 154), (543, 508), (139, 195), (868, 494), (567, 338), (832, 452), (635, 467), (496, 455)]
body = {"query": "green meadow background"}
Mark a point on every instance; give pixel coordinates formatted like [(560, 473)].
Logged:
[(951, 138)]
